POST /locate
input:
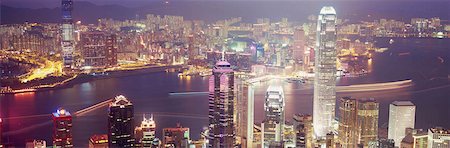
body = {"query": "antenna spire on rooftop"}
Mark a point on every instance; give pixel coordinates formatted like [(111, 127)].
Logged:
[(223, 55)]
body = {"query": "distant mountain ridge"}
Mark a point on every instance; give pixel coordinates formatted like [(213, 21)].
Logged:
[(249, 10), (90, 13)]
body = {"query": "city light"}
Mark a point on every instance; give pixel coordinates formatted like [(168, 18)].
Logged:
[(224, 74)]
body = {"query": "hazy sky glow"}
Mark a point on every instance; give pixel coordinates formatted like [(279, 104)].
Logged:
[(211, 10), (139, 3)]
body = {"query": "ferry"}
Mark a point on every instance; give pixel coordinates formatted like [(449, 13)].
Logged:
[(205, 74), (295, 80)]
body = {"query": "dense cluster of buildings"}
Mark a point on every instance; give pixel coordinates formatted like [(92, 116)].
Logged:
[(169, 39), (418, 27)]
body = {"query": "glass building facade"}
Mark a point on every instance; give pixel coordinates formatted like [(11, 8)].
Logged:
[(221, 106), (401, 116), (325, 73), (121, 123), (273, 124)]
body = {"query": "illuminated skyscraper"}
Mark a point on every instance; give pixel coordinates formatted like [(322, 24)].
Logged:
[(348, 126), (98, 141), (415, 138), (325, 73), (145, 133), (273, 124), (177, 137), (438, 138), (299, 45), (303, 131), (367, 121), (221, 106), (120, 123), (62, 129), (330, 141), (244, 112), (99, 49), (67, 40), (358, 122), (401, 116)]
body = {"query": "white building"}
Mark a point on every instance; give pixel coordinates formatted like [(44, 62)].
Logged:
[(401, 116), (325, 73), (145, 133), (273, 124), (438, 138), (244, 112)]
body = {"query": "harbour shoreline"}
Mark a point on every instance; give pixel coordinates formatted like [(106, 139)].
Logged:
[(82, 78)]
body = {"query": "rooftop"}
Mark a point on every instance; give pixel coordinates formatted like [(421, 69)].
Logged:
[(148, 122), (120, 100), (439, 130), (402, 103), (61, 112), (275, 88), (222, 63), (327, 10), (97, 139)]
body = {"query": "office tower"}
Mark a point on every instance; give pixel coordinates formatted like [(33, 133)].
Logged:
[(438, 138), (98, 141), (192, 52), (358, 122), (221, 106), (145, 133), (111, 49), (273, 124), (36, 144), (382, 143), (67, 40), (330, 141), (367, 117), (244, 112), (348, 126), (288, 135), (325, 73), (177, 137), (62, 129), (420, 139), (401, 116), (415, 138), (99, 49), (299, 45), (121, 122), (303, 130)]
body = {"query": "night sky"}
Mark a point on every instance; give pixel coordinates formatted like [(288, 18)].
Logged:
[(89, 11)]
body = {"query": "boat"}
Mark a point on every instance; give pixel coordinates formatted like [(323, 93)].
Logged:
[(295, 80), (391, 41)]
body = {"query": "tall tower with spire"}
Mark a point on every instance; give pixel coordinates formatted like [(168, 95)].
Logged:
[(325, 73), (221, 106)]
